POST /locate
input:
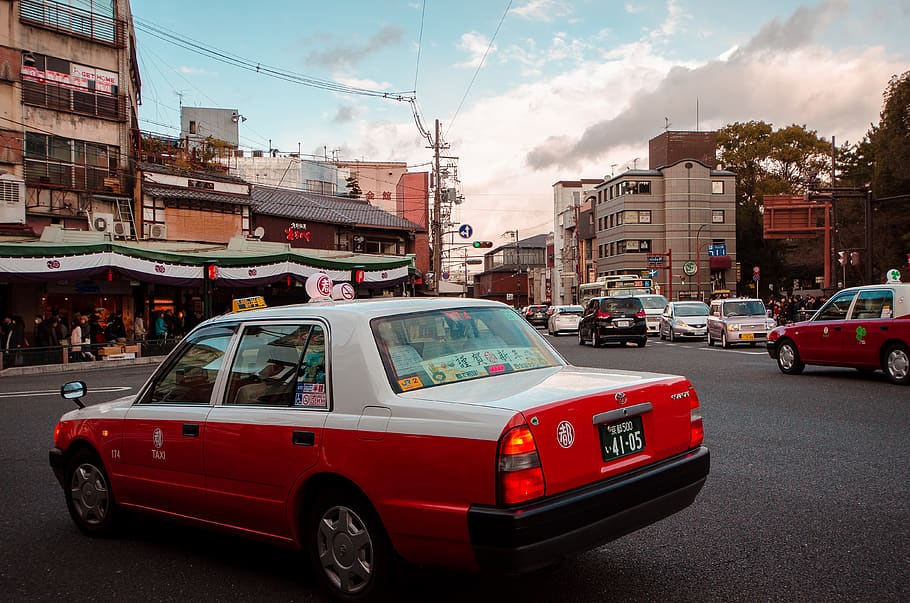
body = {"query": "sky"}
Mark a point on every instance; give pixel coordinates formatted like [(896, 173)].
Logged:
[(527, 92)]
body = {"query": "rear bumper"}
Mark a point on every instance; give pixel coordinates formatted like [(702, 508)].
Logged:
[(524, 538)]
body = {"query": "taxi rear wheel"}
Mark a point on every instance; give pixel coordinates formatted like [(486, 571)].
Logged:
[(88, 495), (897, 364), (348, 547), (788, 358)]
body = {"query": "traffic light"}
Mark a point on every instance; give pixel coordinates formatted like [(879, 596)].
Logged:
[(842, 257), (854, 258), (357, 275), (211, 271), (482, 244), (209, 276)]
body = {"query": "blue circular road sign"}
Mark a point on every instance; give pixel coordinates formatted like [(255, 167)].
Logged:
[(465, 231)]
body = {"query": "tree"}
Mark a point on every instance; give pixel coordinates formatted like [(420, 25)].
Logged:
[(354, 191)]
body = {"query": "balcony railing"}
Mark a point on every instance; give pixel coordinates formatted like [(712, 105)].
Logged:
[(73, 21), (61, 98)]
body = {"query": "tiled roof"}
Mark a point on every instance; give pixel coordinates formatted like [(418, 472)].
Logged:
[(196, 194), (312, 207)]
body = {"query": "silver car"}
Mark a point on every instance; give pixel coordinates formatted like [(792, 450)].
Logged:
[(563, 319), (684, 319), (738, 320), (654, 305)]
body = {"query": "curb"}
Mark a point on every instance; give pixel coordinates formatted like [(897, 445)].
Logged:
[(77, 367)]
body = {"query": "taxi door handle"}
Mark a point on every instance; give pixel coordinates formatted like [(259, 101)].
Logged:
[(191, 430), (303, 438), (837, 328), (883, 327)]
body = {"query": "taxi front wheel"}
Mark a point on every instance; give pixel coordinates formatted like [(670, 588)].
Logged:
[(88, 495), (788, 358), (348, 547), (897, 364)]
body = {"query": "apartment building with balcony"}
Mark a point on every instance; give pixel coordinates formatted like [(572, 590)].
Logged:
[(568, 198)]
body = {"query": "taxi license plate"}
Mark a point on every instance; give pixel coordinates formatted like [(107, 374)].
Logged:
[(622, 438), (622, 323), (748, 336)]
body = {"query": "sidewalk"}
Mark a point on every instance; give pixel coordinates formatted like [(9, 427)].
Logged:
[(78, 367)]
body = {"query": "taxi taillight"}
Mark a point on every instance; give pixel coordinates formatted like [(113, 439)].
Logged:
[(56, 433), (696, 427), (520, 474)]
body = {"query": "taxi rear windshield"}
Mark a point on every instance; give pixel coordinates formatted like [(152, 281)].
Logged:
[(446, 346)]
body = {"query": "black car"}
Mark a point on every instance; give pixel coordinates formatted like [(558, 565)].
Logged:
[(613, 319), (537, 315)]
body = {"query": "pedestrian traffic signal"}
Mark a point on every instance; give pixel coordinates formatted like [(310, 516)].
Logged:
[(854, 258), (482, 244), (211, 271), (357, 275), (842, 257)]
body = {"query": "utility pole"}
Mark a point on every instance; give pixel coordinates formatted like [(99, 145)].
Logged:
[(437, 223)]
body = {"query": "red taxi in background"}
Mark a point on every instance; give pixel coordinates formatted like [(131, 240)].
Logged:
[(442, 432), (867, 328)]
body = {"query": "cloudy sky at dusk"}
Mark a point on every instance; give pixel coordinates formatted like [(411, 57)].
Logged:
[(528, 92)]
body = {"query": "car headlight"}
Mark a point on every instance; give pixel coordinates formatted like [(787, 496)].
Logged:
[(770, 324), (733, 327), (681, 323)]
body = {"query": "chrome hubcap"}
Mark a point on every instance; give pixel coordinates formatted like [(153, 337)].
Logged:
[(90, 494), (898, 364), (345, 549), (786, 357)]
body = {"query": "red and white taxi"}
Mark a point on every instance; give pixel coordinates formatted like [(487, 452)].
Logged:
[(867, 328), (447, 432)]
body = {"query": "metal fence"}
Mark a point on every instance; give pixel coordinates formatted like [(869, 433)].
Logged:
[(88, 352)]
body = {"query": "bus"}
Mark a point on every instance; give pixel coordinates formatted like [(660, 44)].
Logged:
[(617, 284)]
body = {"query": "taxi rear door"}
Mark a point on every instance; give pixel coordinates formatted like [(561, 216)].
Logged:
[(268, 429), (869, 326)]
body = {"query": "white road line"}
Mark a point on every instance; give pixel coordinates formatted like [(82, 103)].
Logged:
[(56, 392)]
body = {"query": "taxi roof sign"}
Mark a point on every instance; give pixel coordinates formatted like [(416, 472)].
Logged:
[(243, 304)]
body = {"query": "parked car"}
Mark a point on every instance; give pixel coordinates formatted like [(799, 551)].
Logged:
[(654, 306), (564, 318), (866, 328), (684, 319), (445, 432), (536, 315), (613, 320), (738, 320)]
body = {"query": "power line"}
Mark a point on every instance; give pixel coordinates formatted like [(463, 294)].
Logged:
[(423, 10), (479, 66)]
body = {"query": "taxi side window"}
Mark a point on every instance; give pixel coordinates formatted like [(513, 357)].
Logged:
[(877, 303), (836, 308), (191, 376), (279, 365)]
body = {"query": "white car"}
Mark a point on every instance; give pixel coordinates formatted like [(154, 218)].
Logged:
[(654, 306), (444, 432), (564, 319)]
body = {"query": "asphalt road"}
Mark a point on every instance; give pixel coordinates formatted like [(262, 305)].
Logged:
[(807, 501)]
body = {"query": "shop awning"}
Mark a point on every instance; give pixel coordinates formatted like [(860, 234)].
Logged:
[(720, 262), (241, 263)]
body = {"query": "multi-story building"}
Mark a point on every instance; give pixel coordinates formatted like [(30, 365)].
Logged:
[(515, 273), (568, 197), (676, 220)]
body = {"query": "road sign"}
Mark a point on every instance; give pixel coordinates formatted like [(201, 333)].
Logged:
[(652, 272), (690, 268), (756, 270), (445, 276), (465, 231), (756, 277), (474, 261), (656, 260), (717, 249)]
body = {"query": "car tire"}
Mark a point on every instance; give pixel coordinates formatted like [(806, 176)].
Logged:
[(710, 340), (660, 333), (581, 339), (896, 364), (672, 336), (723, 340), (89, 498), (348, 548), (643, 341), (788, 358)]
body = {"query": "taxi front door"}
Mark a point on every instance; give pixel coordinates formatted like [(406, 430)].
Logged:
[(821, 340)]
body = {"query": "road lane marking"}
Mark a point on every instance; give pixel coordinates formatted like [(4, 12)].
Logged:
[(56, 392)]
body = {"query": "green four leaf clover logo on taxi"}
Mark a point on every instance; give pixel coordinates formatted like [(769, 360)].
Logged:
[(860, 334)]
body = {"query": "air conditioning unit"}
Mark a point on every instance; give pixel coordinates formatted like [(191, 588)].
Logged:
[(101, 222), (158, 231), (122, 229)]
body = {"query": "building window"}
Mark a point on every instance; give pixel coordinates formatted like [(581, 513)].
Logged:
[(717, 216), (637, 187), (717, 187), (631, 247), (611, 220), (612, 248), (619, 219), (66, 86), (644, 216), (193, 127), (74, 164)]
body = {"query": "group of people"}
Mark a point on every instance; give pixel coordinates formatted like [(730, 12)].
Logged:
[(791, 308), (167, 325)]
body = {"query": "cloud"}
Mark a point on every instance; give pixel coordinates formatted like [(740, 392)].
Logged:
[(345, 114), (187, 70), (543, 10), (475, 45), (768, 78), (342, 57)]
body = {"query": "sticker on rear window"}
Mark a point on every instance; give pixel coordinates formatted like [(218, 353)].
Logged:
[(410, 383)]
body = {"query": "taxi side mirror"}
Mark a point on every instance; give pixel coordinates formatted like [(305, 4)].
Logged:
[(74, 390)]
